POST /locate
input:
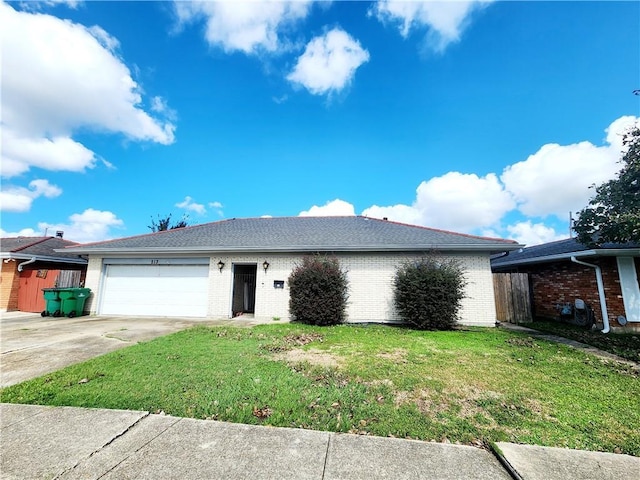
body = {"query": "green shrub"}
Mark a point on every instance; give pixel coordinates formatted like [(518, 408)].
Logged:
[(318, 291), (428, 293)]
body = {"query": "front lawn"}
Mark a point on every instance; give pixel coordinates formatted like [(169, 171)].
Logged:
[(470, 386), (625, 345)]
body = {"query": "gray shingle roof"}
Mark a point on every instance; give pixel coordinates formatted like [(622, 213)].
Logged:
[(553, 250), (299, 234), (37, 246)]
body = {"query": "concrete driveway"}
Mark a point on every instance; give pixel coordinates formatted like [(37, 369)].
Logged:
[(31, 345)]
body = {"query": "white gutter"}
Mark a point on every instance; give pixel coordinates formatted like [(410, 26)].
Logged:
[(603, 300), (605, 252), (43, 258), (21, 265)]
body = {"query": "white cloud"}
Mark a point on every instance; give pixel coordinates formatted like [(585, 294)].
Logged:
[(191, 206), (249, 27), (444, 20), (218, 208), (553, 181), (454, 201), (529, 233), (556, 179), (19, 154), (39, 5), (328, 63), (25, 232), (397, 213), (88, 226), (59, 77), (19, 199), (335, 207)]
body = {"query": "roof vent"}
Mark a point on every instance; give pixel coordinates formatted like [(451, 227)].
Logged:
[(385, 218), (59, 234)]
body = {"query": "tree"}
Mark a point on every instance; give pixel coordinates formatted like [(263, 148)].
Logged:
[(613, 214), (165, 224)]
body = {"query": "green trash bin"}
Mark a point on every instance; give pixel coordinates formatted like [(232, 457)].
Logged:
[(81, 297), (72, 301), (67, 301), (52, 301)]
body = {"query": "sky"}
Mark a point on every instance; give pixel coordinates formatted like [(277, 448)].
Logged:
[(490, 118)]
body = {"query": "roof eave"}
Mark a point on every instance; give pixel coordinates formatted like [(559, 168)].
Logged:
[(605, 252), (497, 247)]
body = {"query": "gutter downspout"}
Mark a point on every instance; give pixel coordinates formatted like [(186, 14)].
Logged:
[(31, 260), (603, 300)]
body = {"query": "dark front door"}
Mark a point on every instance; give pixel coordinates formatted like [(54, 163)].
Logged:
[(244, 289)]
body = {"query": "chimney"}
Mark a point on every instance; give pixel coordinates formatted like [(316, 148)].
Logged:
[(59, 234)]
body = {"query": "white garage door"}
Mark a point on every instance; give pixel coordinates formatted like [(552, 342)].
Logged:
[(162, 290)]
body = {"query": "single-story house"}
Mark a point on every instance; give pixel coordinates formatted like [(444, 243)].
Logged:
[(560, 272), (30, 264), (241, 266)]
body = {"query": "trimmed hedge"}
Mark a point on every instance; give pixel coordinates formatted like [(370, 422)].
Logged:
[(428, 293), (318, 291)]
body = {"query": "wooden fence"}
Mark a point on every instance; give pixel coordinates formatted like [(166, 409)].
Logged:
[(513, 302)]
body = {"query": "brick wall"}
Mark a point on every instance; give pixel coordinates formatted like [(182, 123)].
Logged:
[(563, 282), (370, 286), (370, 294), (9, 284), (92, 281)]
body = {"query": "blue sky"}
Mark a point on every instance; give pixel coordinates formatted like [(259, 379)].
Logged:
[(490, 118)]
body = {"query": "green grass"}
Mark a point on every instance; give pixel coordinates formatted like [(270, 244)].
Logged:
[(468, 386), (624, 345)]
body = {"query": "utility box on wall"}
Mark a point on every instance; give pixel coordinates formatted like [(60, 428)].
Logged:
[(278, 284)]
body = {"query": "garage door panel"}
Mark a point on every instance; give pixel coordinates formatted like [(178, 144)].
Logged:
[(163, 290)]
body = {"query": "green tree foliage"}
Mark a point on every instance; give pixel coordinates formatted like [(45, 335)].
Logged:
[(319, 290), (428, 293), (613, 214), (164, 223)]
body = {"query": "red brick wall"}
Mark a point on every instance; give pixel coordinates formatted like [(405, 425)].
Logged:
[(9, 283), (563, 282)]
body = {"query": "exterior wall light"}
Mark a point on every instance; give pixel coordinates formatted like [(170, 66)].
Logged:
[(220, 265), (265, 265)]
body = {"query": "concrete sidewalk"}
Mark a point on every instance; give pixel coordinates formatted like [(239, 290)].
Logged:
[(79, 443)]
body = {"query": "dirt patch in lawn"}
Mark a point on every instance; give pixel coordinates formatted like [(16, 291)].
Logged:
[(399, 355), (301, 339), (313, 356)]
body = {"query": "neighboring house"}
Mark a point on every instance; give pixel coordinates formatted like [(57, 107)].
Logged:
[(238, 266), (30, 264), (559, 272)]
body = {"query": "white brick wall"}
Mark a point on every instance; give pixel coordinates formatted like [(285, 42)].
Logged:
[(92, 281), (370, 280)]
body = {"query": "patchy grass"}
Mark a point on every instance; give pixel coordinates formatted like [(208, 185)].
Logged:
[(625, 345), (470, 386)]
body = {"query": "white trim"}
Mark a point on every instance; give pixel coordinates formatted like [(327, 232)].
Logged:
[(630, 288), (608, 252), (156, 261), (42, 258)]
